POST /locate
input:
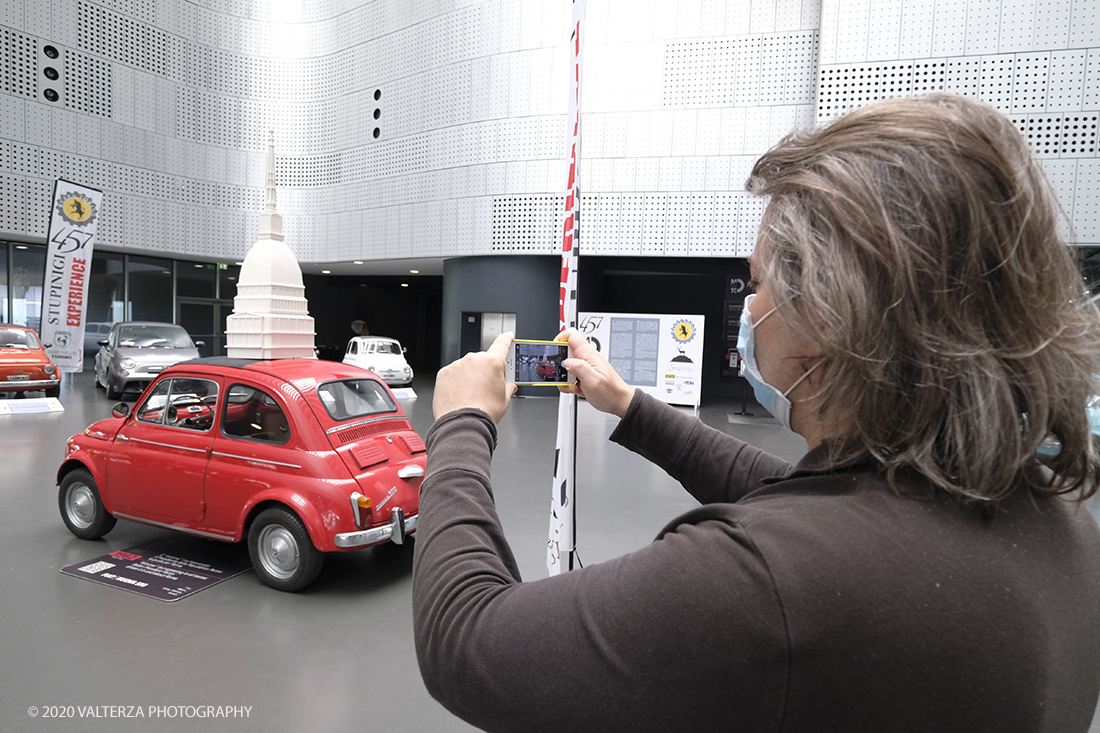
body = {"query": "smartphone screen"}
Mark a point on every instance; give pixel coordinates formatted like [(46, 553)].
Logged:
[(539, 362)]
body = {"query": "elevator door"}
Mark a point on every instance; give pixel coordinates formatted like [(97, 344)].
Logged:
[(479, 330)]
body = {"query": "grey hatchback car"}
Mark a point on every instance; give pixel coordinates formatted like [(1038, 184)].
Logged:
[(135, 352)]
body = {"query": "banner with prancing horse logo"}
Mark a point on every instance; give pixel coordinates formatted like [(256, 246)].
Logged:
[(74, 216)]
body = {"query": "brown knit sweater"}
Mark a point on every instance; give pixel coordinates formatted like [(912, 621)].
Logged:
[(792, 600)]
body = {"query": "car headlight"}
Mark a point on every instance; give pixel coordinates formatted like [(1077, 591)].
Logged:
[(370, 369), (49, 369), (127, 364)]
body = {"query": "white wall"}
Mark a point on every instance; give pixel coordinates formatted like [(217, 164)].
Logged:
[(165, 105)]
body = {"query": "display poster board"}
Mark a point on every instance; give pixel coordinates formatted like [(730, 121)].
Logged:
[(167, 570), (74, 217), (660, 354)]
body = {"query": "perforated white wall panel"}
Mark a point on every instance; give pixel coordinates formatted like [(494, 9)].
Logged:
[(1034, 60), (436, 128)]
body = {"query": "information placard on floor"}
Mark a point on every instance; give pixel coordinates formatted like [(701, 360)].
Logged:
[(167, 570)]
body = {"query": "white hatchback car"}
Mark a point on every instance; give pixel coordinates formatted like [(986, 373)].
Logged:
[(383, 356)]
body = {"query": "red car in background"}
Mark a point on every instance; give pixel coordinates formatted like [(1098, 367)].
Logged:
[(298, 457), (24, 364)]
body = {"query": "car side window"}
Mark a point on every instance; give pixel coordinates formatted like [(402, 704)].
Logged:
[(192, 404), (152, 409), (353, 348), (181, 402), (252, 414)]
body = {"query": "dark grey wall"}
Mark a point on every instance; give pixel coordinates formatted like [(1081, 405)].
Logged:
[(526, 285)]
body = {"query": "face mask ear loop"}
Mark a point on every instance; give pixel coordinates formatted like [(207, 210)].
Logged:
[(802, 378), (748, 299)]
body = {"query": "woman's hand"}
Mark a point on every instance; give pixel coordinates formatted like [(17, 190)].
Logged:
[(476, 380), (597, 382)]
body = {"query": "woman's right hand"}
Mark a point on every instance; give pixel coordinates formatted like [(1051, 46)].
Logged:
[(597, 382)]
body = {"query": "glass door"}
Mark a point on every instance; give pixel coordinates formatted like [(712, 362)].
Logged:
[(204, 319)]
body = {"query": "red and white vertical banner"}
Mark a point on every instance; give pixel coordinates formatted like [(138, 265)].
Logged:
[(561, 546), (74, 216)]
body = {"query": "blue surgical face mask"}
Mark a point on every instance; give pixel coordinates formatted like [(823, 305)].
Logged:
[(770, 398)]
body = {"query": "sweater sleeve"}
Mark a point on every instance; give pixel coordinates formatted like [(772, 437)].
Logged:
[(711, 465), (685, 634)]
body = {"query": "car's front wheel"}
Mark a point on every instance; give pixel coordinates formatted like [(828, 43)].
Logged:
[(281, 550), (113, 393), (81, 508)]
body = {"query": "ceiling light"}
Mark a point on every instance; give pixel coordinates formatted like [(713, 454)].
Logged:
[(414, 272), (404, 285), (357, 262), (326, 272)]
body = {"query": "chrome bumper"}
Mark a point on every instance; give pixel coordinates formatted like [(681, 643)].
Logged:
[(24, 385), (399, 526)]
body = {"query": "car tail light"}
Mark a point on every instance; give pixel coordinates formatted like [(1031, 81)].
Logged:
[(361, 508)]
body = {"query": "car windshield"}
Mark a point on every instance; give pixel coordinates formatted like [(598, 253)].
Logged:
[(386, 347), (154, 337), (355, 398), (17, 338)]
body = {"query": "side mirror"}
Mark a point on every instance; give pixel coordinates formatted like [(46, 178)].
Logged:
[(102, 342), (199, 343), (404, 350), (120, 410)]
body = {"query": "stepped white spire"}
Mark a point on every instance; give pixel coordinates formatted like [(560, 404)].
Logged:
[(270, 314), (271, 223)]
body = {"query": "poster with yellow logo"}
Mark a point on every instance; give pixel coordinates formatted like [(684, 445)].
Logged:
[(74, 216)]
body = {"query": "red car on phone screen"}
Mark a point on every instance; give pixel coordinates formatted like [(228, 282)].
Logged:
[(297, 457)]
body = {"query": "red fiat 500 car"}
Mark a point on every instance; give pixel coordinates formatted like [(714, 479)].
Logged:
[(546, 370), (297, 456), (24, 365)]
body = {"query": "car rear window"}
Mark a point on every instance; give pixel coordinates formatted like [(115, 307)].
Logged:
[(355, 398)]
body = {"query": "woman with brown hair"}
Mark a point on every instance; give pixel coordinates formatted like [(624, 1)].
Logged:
[(922, 568)]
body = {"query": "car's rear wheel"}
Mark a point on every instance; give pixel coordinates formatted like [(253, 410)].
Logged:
[(81, 508), (281, 550)]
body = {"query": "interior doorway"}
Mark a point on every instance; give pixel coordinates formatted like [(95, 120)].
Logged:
[(479, 330), (204, 319)]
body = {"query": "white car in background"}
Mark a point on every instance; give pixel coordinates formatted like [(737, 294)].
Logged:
[(383, 356)]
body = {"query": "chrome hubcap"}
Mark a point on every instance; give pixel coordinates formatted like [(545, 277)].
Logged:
[(278, 551), (81, 506)]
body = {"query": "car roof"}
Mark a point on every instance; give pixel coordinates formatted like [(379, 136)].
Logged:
[(304, 375), (148, 323), (15, 325), (290, 370), (375, 338)]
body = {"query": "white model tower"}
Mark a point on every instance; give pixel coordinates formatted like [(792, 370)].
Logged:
[(270, 315)]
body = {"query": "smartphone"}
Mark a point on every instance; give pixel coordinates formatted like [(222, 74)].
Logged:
[(538, 362)]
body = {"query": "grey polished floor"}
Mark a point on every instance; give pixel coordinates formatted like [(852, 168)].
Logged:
[(338, 656)]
